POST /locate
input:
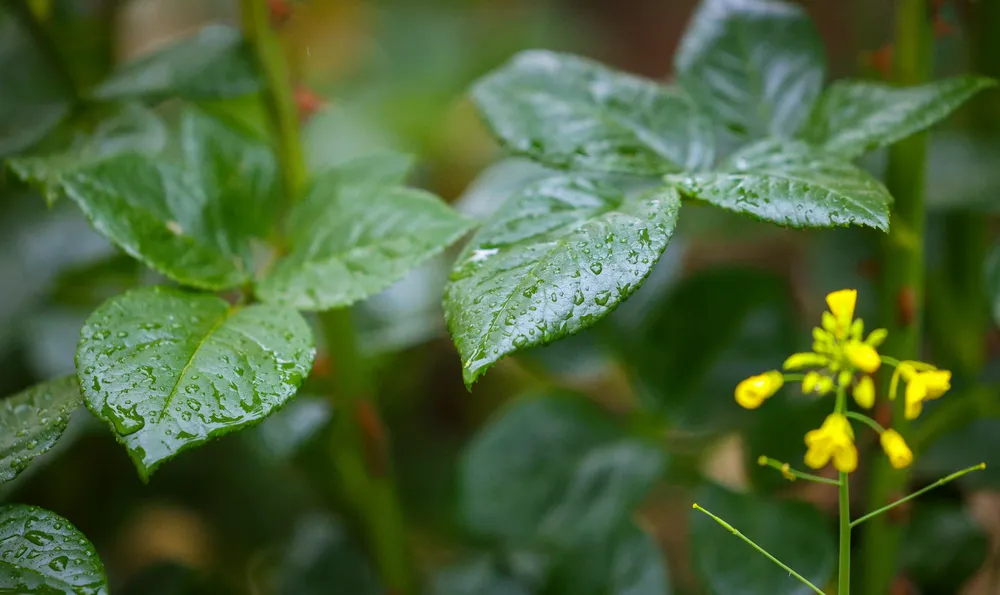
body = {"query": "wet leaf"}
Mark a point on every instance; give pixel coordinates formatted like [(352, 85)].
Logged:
[(32, 421), (43, 554), (169, 370), (789, 183), (356, 232), (756, 65), (854, 117), (793, 532), (557, 257), (213, 63), (572, 113), (554, 472)]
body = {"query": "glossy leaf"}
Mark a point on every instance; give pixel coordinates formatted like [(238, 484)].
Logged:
[(572, 113), (33, 97), (43, 554), (132, 128), (215, 62), (32, 421), (788, 183), (554, 471), (854, 117), (355, 233), (756, 65), (627, 563), (169, 370), (943, 547), (560, 255), (793, 532)]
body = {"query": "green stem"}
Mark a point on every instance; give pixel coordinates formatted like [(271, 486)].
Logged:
[(359, 445), (787, 470), (749, 542), (844, 498), (919, 493), (871, 423), (902, 291)]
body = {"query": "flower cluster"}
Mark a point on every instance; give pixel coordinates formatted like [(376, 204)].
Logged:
[(843, 360)]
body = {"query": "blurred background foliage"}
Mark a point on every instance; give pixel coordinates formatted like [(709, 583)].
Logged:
[(487, 479)]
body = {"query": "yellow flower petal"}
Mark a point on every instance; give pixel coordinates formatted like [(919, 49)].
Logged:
[(864, 392), (937, 382), (900, 455), (842, 304), (752, 392), (797, 361), (845, 458), (834, 439), (863, 356)]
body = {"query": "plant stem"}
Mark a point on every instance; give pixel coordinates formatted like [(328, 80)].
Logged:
[(843, 489), (359, 444), (902, 291), (746, 539), (45, 44), (871, 423), (795, 473), (919, 493)]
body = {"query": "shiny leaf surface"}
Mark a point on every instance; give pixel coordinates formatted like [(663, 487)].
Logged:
[(559, 255), (32, 421), (169, 370)]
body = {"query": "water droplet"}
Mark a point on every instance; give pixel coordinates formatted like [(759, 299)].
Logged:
[(59, 564), (596, 267)]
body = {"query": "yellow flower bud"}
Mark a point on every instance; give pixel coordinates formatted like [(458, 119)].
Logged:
[(937, 382), (863, 356), (900, 455), (864, 392), (857, 329), (877, 337), (833, 440), (842, 307), (752, 392), (797, 361)]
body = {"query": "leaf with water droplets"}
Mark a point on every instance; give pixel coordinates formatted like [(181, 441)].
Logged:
[(572, 113), (213, 63), (554, 472), (356, 232), (556, 258), (192, 222), (854, 117), (169, 370), (756, 65), (32, 421), (791, 183), (41, 553)]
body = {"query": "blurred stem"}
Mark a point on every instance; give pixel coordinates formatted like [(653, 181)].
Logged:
[(359, 444), (902, 283)]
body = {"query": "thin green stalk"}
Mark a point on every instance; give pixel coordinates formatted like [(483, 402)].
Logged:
[(918, 493), (902, 282), (749, 542), (791, 473), (871, 423), (843, 489), (359, 446)]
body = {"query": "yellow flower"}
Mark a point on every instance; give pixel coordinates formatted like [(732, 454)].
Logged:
[(752, 392), (834, 439), (923, 386), (862, 356), (797, 361), (842, 307), (814, 382), (900, 455), (864, 392), (877, 337)]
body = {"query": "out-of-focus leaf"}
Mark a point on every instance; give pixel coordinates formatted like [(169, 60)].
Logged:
[(961, 173), (172, 578), (942, 548), (627, 563), (132, 128), (32, 421), (487, 193), (790, 183), (283, 433), (975, 442), (321, 557), (570, 112), (477, 577), (854, 117), (34, 98), (169, 371), (49, 340), (355, 233), (44, 554), (992, 273), (757, 65), (215, 62), (793, 532), (559, 256), (554, 471), (778, 429)]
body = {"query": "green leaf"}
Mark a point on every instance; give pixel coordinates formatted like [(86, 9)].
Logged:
[(132, 128), (573, 113), (554, 471), (169, 370), (32, 421), (213, 63), (854, 117), (355, 233), (480, 576), (977, 441), (793, 532), (943, 547), (627, 563), (756, 65), (43, 554), (992, 281), (790, 183), (33, 97), (321, 557), (557, 257)]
